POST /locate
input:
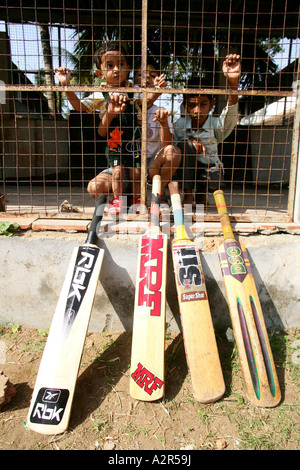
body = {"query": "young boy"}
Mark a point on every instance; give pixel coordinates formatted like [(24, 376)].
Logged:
[(159, 128), (118, 122), (198, 134)]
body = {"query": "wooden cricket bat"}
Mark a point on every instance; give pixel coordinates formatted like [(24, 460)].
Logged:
[(197, 326), (51, 403), (256, 359), (147, 380)]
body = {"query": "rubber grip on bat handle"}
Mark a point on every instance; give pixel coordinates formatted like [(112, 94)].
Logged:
[(156, 184), (176, 203), (223, 214), (173, 187), (155, 200), (180, 230), (97, 217)]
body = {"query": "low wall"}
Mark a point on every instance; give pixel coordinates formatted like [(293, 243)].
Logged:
[(33, 267)]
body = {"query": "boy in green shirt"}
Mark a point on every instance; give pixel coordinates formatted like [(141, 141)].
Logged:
[(118, 122)]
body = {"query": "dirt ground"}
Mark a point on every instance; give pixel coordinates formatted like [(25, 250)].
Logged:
[(104, 416)]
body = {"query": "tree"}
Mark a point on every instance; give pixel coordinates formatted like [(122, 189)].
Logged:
[(49, 77), (181, 56)]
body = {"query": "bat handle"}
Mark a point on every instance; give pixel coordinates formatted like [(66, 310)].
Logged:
[(155, 201), (156, 185), (223, 213), (177, 211), (92, 237)]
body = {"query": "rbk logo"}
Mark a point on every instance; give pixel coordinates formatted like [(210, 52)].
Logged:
[(49, 406), (151, 274), (85, 262), (83, 267), (51, 395), (146, 380)]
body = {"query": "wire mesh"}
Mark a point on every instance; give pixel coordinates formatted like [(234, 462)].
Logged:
[(51, 152)]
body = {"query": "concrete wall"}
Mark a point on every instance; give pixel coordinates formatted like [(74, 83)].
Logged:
[(271, 154), (33, 267), (32, 147)]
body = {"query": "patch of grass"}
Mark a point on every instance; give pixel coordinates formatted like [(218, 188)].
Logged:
[(15, 328), (133, 431), (104, 346), (100, 423), (267, 430), (259, 428)]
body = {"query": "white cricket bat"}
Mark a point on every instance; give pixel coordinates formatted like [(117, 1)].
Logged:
[(51, 402), (197, 327), (148, 337)]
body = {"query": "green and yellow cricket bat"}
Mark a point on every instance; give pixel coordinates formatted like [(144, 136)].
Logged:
[(256, 359)]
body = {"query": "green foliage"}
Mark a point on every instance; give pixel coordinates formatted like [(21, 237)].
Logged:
[(15, 328), (8, 228), (180, 57)]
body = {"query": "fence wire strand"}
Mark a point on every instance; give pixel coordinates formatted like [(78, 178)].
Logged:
[(51, 152)]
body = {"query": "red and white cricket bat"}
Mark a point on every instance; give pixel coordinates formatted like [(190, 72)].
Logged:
[(197, 326), (147, 381), (256, 359), (50, 408)]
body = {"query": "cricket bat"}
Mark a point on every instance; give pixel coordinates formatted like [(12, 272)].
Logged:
[(51, 402), (197, 327), (256, 359), (147, 382)]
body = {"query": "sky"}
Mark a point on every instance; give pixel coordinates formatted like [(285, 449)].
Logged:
[(26, 49), (27, 52)]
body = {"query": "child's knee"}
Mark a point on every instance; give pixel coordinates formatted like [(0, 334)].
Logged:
[(92, 188), (172, 150), (172, 153)]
